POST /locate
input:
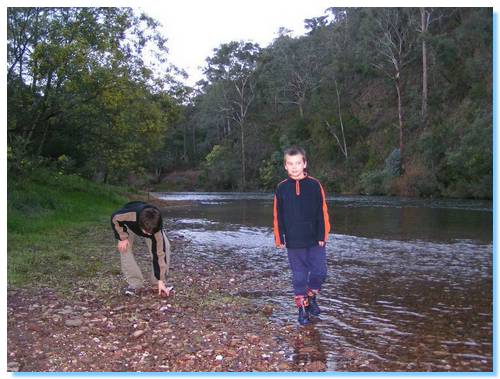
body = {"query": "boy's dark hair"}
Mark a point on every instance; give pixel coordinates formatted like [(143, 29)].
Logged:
[(150, 220), (294, 150)]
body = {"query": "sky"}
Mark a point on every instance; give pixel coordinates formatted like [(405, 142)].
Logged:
[(194, 28)]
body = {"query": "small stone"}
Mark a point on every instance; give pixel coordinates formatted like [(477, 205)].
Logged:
[(138, 333), (267, 310), (440, 353), (284, 366), (219, 358), (308, 350), (235, 342), (253, 338), (73, 322), (35, 328), (316, 366), (13, 366)]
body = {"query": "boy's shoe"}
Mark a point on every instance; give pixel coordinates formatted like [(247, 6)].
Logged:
[(132, 291), (313, 307), (303, 316)]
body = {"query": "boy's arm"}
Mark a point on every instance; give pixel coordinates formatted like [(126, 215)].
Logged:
[(279, 227), (323, 219), (121, 231), (159, 250)]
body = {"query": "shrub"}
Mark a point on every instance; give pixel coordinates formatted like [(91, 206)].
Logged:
[(373, 182), (220, 169)]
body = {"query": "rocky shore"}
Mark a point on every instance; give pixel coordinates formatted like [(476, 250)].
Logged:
[(204, 326)]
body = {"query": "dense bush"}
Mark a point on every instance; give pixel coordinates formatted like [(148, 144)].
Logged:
[(220, 169)]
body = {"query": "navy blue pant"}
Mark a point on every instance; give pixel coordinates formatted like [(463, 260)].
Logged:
[(308, 267)]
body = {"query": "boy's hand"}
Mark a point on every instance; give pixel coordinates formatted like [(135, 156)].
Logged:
[(281, 246), (122, 246), (321, 243), (163, 290)]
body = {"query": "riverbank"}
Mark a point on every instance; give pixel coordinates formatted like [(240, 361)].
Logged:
[(89, 325), (416, 305), (67, 311)]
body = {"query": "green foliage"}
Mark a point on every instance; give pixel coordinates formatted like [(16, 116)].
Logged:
[(347, 68), (221, 169), (393, 163), (271, 171), (420, 181), (468, 165), (374, 182), (78, 87)]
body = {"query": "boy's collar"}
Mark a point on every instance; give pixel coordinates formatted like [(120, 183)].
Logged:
[(305, 176)]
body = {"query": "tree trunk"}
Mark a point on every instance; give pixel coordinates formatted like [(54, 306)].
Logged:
[(424, 26), (44, 136), (301, 108), (158, 175), (184, 138), (243, 163), (400, 118), (194, 139), (340, 119)]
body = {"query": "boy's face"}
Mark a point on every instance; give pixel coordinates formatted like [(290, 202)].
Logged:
[(295, 165)]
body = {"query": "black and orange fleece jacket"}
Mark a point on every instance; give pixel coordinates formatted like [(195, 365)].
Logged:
[(300, 213)]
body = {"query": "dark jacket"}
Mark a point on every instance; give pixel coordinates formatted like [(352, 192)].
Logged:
[(300, 213)]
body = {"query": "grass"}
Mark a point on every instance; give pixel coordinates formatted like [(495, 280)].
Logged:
[(57, 227)]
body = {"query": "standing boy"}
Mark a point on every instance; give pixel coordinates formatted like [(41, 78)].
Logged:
[(144, 220), (301, 224)]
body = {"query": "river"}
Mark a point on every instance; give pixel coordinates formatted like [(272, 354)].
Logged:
[(410, 281)]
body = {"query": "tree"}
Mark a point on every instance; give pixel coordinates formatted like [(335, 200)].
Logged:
[(65, 64), (232, 68), (342, 144), (393, 41), (293, 69)]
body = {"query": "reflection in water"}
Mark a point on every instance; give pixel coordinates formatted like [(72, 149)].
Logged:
[(409, 289)]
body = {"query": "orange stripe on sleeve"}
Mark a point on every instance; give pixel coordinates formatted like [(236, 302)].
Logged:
[(277, 238), (325, 213)]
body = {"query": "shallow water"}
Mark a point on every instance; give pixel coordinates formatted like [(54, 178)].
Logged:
[(409, 285)]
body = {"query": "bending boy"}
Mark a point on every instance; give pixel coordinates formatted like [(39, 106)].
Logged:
[(144, 220)]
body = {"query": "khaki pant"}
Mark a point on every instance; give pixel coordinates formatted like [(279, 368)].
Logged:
[(131, 270)]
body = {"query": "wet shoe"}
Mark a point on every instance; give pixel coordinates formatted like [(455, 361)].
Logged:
[(303, 316), (313, 307)]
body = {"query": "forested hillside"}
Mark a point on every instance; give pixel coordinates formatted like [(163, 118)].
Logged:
[(393, 101)]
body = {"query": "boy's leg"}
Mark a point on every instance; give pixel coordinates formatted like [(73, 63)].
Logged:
[(298, 264), (316, 258), (166, 243), (317, 275), (297, 258), (130, 269)]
